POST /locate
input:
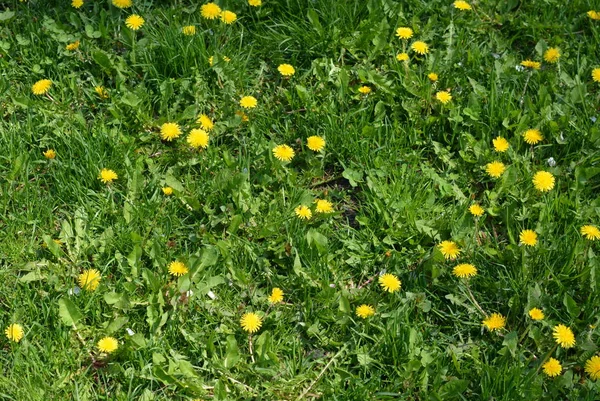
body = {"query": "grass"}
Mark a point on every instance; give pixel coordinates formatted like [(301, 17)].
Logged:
[(400, 169)]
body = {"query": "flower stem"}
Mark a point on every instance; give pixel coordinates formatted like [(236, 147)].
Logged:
[(474, 300)]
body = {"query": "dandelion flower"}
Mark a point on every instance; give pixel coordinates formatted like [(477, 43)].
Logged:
[(169, 131), (72, 46), (107, 176), (501, 145), (303, 212), (531, 64), (365, 311), (433, 77), (532, 136), (495, 169), (389, 282), (205, 122), (101, 92), (404, 33), (465, 270), (89, 279), (276, 295), (77, 3), (590, 232), (210, 11), (243, 116), (108, 345), (248, 102), (536, 314), (228, 17), (134, 22), (443, 96), (595, 15), (14, 332), (420, 47), (449, 249), (283, 153), (251, 322), (494, 322), (41, 87), (323, 206), (365, 90), (462, 5), (255, 3), (189, 30), (528, 237), (287, 70), (167, 191), (543, 181), (552, 367), (198, 138), (552, 55), (177, 268), (563, 336), (476, 210), (315, 143), (402, 57), (592, 367), (50, 154), (122, 3)]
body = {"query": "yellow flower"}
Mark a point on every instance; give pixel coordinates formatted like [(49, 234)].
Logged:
[(449, 249), (107, 176), (226, 59), (276, 295), (563, 336), (595, 15), (528, 237), (77, 3), (443, 96), (462, 5), (283, 153), (552, 367), (465, 270), (14, 332), (402, 57), (303, 212), (177, 268), (198, 138), (590, 232), (210, 11), (532, 136), (476, 210), (592, 367), (205, 122), (531, 64), (364, 90), (228, 17), (500, 144), (255, 3), (365, 311), (287, 70), (323, 206), (122, 3), (168, 191), (596, 74), (169, 131), (72, 46), (134, 22), (251, 322), (102, 92), (108, 345), (536, 314), (495, 169), (543, 181), (420, 47), (89, 279), (315, 143), (404, 33), (494, 322), (389, 282), (552, 54), (189, 30), (433, 77), (41, 87), (50, 154), (243, 116), (248, 102)]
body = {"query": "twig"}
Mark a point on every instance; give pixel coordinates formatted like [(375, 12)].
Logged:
[(301, 397)]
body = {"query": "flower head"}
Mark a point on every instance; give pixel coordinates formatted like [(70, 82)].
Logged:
[(287, 70), (433, 77), (276, 295), (552, 55), (14, 332), (389, 282), (592, 367), (77, 3), (536, 314), (108, 345), (596, 74), (49, 154), (449, 249), (177, 268), (365, 90), (205, 122), (552, 367), (283, 153), (563, 336), (228, 17), (495, 321), (323, 206), (495, 169), (420, 47), (443, 96), (41, 87), (404, 33), (89, 279), (170, 131), (465, 270), (198, 139), (500, 144), (595, 15), (248, 102), (251, 322), (531, 64), (543, 181), (590, 232), (528, 237), (532, 136), (134, 22), (122, 3), (188, 30), (107, 176), (210, 11), (402, 57), (72, 46), (365, 311), (315, 143), (255, 3), (476, 210), (101, 92), (303, 212), (462, 5), (167, 191)]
